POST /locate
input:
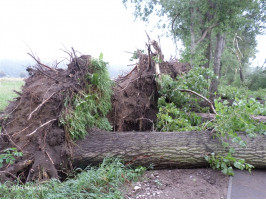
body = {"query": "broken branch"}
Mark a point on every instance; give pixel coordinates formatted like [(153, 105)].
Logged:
[(210, 103)]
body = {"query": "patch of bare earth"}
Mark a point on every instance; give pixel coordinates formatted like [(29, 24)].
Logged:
[(179, 184)]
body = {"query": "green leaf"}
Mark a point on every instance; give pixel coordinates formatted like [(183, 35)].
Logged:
[(242, 143), (101, 57), (223, 165), (225, 171), (239, 165), (230, 171), (217, 165), (225, 102)]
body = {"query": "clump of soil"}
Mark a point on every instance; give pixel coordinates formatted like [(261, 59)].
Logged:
[(180, 184), (135, 94), (32, 121)]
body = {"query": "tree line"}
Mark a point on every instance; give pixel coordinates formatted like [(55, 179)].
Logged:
[(217, 34)]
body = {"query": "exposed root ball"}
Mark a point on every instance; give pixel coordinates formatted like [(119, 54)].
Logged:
[(32, 122)]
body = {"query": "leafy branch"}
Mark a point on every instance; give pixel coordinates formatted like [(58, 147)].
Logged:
[(9, 156)]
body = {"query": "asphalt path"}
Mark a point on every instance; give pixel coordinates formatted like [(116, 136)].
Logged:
[(244, 185)]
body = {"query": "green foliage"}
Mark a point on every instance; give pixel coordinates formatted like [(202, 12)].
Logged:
[(174, 106), (194, 80), (225, 163), (90, 106), (198, 58), (157, 60), (136, 55), (9, 156), (103, 182), (231, 92), (173, 115), (256, 79), (229, 121), (171, 118), (179, 17)]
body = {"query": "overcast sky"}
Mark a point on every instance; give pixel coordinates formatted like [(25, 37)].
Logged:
[(90, 26)]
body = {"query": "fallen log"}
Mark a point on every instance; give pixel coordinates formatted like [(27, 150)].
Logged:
[(163, 149), (210, 116)]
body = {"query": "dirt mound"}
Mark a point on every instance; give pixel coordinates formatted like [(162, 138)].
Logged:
[(135, 94), (32, 121)]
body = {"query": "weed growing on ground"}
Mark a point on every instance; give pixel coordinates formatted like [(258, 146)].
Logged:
[(102, 182), (225, 163), (8, 156)]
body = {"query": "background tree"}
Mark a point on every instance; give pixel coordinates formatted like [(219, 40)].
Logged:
[(206, 27)]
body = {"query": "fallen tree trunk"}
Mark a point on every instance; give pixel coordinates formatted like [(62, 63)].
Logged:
[(210, 116), (163, 150)]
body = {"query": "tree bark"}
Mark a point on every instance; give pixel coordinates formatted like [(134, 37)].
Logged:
[(192, 34), (220, 43), (163, 150), (208, 53)]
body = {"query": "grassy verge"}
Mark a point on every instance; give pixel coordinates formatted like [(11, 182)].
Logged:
[(102, 182), (7, 85)]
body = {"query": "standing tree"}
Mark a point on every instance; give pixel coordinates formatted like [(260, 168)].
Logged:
[(197, 23)]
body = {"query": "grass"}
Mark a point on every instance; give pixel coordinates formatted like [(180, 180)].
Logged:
[(102, 182), (7, 85)]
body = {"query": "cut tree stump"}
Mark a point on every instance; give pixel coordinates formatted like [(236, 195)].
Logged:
[(163, 149)]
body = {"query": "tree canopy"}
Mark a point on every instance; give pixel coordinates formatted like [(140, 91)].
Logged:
[(209, 28)]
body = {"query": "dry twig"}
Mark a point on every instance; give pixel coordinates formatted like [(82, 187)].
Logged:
[(42, 63), (41, 127), (47, 75), (21, 131), (40, 105), (10, 139), (76, 60), (5, 172), (142, 118), (49, 157)]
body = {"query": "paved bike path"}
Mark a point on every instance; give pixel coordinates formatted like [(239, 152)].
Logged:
[(247, 186)]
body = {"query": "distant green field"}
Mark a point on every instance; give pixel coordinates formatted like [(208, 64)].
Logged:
[(7, 85)]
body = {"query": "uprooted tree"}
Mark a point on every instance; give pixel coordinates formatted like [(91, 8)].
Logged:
[(53, 121)]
